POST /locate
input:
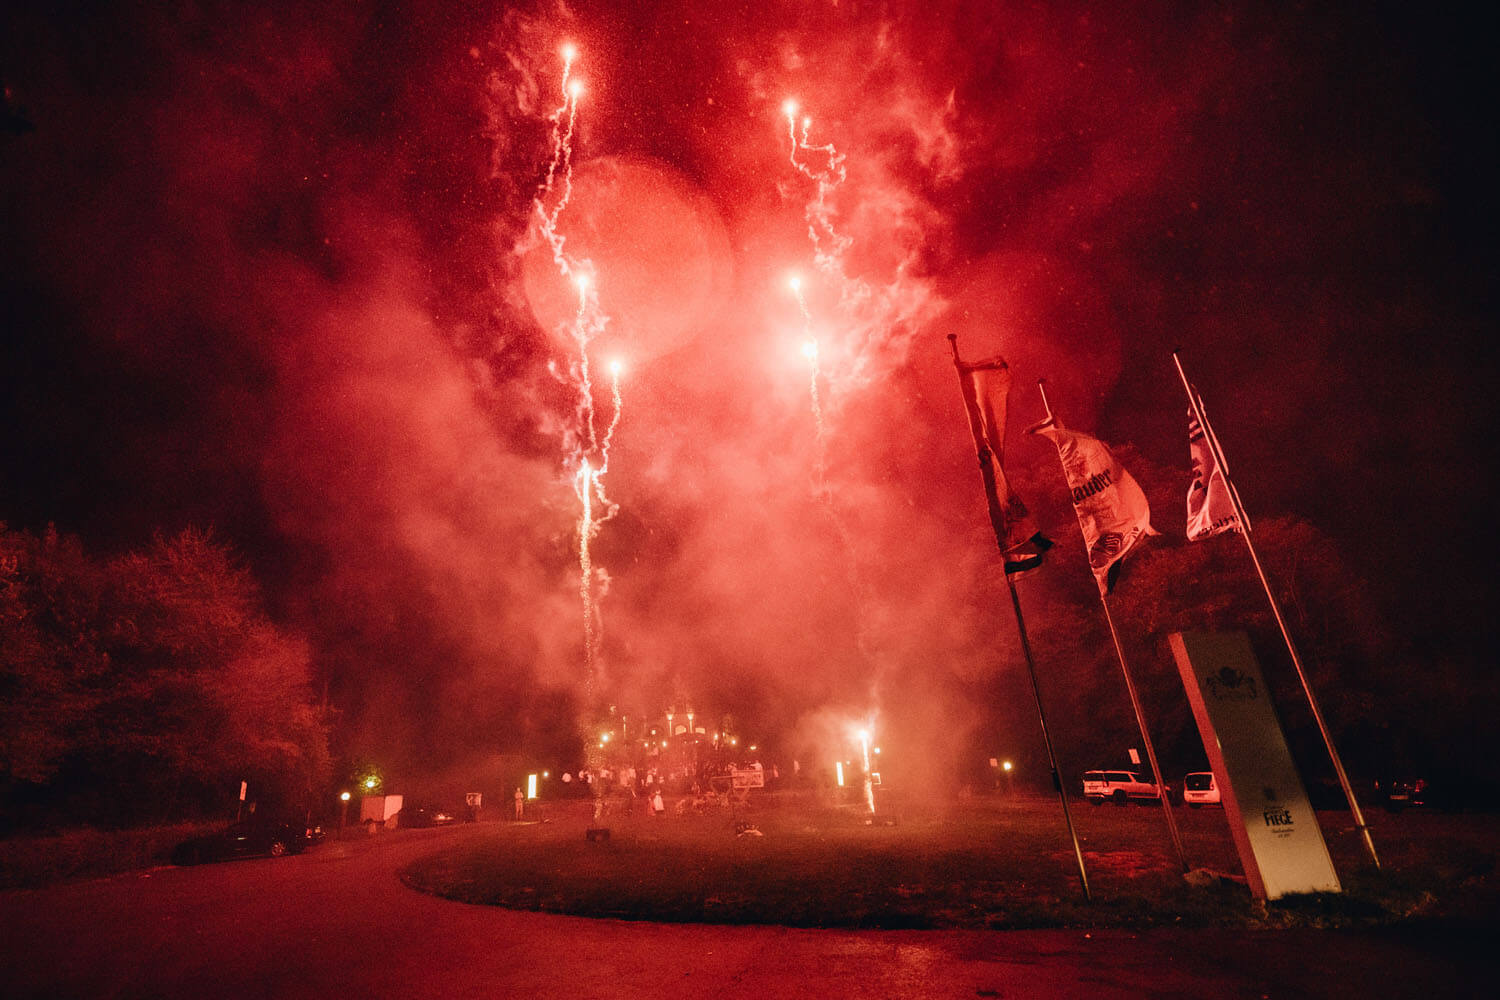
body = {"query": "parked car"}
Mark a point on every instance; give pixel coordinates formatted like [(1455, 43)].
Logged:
[(1200, 789), (1404, 793), (246, 839), (421, 814), (1118, 787)]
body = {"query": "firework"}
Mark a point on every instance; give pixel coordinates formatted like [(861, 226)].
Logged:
[(824, 165), (810, 351), (587, 450)]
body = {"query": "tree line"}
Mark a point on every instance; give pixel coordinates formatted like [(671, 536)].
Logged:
[(145, 687)]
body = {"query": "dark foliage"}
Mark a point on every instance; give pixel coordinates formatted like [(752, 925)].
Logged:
[(145, 687)]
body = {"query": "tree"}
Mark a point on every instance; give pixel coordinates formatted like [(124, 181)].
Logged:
[(148, 686), (1173, 585), (49, 655)]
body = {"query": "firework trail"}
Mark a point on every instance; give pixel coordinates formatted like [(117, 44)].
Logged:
[(872, 319), (563, 120), (824, 165), (587, 449), (810, 351)]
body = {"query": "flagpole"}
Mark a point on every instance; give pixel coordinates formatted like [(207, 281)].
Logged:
[(1286, 635), (1135, 701), (971, 409), (1015, 601)]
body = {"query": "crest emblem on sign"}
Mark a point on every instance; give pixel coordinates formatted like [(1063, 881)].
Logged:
[(1228, 684)]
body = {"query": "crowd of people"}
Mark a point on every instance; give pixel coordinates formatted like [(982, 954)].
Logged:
[(691, 787)]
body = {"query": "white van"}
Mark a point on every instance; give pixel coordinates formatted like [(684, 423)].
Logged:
[(1199, 789)]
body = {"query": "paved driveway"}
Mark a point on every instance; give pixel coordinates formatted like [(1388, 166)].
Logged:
[(337, 923)]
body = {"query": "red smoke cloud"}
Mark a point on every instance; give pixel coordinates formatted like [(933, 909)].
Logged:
[(315, 239)]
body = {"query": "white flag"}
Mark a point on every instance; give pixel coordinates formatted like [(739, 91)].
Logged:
[(1111, 508), (1210, 511)]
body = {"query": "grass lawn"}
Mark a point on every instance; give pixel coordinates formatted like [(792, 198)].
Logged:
[(985, 863)]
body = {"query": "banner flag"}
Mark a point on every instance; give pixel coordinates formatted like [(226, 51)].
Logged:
[(1210, 510), (1204, 519), (1111, 507), (986, 390)]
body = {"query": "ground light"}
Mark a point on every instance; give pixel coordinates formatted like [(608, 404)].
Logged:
[(864, 744)]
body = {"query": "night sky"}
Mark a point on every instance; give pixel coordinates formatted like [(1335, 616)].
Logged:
[(277, 273)]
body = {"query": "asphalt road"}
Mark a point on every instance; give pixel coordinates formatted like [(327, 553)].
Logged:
[(337, 923)]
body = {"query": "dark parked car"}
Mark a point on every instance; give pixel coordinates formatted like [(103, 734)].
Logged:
[(423, 814), (1404, 793), (246, 839)]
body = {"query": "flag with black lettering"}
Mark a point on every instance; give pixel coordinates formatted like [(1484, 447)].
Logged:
[(1112, 509), (986, 389), (1210, 509)]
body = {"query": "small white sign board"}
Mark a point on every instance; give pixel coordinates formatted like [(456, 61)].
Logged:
[(1273, 824), (378, 808), (749, 777)]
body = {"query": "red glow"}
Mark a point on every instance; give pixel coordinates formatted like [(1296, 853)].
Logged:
[(390, 305)]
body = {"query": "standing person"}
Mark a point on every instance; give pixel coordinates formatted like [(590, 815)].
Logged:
[(657, 805), (520, 803)]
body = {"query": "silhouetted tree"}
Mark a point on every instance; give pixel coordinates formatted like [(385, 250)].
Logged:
[(150, 685)]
